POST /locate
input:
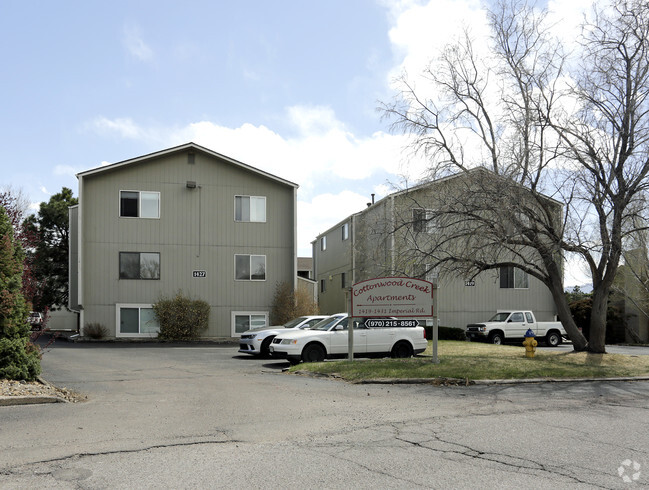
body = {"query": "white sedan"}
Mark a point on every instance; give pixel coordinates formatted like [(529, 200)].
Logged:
[(257, 341), (329, 339)]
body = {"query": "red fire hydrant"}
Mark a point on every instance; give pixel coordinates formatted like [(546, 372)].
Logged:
[(530, 343)]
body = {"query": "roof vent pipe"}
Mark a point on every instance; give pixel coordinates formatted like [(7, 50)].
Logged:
[(372, 198)]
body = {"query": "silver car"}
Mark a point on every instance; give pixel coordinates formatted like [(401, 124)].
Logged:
[(256, 341)]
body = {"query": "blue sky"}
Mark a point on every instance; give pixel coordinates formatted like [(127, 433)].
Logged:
[(290, 87)]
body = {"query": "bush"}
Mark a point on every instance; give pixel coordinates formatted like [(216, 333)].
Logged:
[(95, 331), (289, 304), (19, 359), (581, 310), (181, 318), (446, 333)]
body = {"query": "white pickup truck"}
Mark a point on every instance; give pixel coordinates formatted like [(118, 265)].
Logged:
[(329, 338), (509, 325)]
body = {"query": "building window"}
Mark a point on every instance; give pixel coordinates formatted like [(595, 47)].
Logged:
[(250, 209), (323, 243), (343, 280), (423, 220), (139, 204), (247, 320), (513, 278), (139, 265), (250, 267), (323, 285), (136, 321), (345, 231)]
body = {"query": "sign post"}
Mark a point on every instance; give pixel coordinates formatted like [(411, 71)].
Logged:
[(350, 326), (386, 297)]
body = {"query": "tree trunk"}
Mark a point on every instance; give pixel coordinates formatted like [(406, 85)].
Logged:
[(579, 342), (597, 340)]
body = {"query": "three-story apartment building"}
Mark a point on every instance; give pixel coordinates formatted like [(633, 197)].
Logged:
[(182, 219), (385, 240)]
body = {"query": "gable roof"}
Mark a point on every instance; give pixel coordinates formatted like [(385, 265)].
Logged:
[(423, 185), (185, 147)]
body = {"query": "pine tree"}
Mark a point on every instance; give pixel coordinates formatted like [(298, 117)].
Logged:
[(19, 358)]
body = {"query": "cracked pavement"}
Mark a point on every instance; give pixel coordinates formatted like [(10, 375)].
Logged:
[(205, 417)]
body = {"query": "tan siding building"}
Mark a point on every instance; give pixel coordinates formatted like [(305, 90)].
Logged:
[(379, 243), (183, 219)]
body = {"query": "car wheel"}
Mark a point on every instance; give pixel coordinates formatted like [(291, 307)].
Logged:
[(264, 350), (496, 338), (313, 353), (553, 338), (402, 350)]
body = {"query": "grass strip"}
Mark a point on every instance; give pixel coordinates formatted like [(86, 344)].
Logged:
[(474, 361)]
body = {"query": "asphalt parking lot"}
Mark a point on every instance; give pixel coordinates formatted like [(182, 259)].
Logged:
[(205, 417)]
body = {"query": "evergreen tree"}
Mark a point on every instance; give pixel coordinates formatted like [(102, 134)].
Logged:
[(19, 358), (50, 254)]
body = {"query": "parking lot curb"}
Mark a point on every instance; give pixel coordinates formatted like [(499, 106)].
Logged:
[(469, 382), (8, 401), (557, 380)]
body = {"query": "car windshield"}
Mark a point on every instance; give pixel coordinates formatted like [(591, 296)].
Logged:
[(294, 322), (327, 323), (500, 317)]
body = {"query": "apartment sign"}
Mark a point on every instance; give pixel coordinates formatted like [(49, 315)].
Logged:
[(392, 296)]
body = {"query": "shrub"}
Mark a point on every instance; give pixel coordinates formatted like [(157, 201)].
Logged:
[(446, 333), (289, 304), (581, 311), (180, 317), (95, 331)]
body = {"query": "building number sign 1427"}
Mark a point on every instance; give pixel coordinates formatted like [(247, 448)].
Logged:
[(199, 273)]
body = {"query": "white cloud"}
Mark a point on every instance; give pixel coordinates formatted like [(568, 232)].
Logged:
[(317, 215), (422, 31), (66, 170), (134, 43)]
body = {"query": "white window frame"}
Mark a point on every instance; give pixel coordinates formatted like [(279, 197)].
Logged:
[(139, 204), (235, 314), (119, 272), (429, 225), (139, 306), (249, 207), (345, 231), (250, 279), (516, 272)]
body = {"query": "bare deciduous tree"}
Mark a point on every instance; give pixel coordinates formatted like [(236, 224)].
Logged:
[(566, 145)]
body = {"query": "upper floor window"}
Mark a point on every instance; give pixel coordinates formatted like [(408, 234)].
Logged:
[(323, 285), (250, 267), (423, 220), (513, 278), (139, 265), (250, 209), (345, 230), (343, 280), (323, 243), (139, 204)]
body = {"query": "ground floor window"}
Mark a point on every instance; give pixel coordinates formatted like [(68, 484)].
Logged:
[(246, 320), (136, 321)]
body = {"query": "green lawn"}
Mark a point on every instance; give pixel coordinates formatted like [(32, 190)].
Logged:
[(473, 361)]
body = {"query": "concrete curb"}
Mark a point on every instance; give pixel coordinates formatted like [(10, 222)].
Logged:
[(469, 382), (556, 380), (8, 401)]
